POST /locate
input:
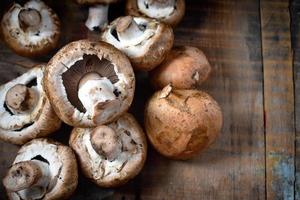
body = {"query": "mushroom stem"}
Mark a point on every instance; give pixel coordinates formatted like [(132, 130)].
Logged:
[(106, 142), (98, 17), (20, 98), (160, 3), (128, 30), (29, 19), (27, 175)]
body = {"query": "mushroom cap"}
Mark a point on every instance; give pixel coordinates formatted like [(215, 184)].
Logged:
[(38, 122), (31, 43), (181, 123), (129, 162), (185, 67), (71, 64), (62, 165), (93, 2), (173, 19), (150, 52)]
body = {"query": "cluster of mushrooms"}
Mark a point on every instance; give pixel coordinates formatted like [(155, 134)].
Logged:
[(90, 85)]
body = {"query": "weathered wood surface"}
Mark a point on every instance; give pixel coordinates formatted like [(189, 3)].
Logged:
[(249, 46)]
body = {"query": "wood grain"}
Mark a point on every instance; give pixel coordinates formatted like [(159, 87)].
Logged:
[(278, 99)]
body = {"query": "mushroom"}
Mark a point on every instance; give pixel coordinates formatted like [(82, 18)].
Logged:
[(98, 13), (89, 83), (169, 11), (32, 29), (43, 169), (145, 41), (185, 67), (111, 154), (25, 111), (181, 123)]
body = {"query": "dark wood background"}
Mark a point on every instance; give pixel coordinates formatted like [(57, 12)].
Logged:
[(254, 48)]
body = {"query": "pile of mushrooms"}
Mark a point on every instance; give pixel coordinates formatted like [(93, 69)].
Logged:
[(90, 85)]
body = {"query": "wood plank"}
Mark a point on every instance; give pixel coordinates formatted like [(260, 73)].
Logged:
[(278, 99), (234, 167), (295, 29)]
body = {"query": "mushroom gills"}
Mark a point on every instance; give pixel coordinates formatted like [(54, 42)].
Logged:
[(130, 33), (157, 8), (103, 69)]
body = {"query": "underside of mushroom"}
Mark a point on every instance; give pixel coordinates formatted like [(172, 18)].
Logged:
[(143, 40), (25, 110), (157, 8), (43, 169), (96, 84), (32, 29), (110, 154)]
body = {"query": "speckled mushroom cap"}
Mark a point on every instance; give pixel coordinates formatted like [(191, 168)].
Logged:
[(185, 67), (169, 11), (181, 123), (92, 2), (24, 119), (89, 83), (111, 155), (145, 41), (31, 30), (43, 169)]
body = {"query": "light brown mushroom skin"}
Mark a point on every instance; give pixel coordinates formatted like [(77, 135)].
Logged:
[(181, 123), (32, 51), (185, 68), (157, 52), (173, 20), (83, 156), (21, 98)]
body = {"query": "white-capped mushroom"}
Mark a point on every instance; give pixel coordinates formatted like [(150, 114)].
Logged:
[(43, 169), (145, 41), (168, 11), (98, 13), (32, 29), (25, 111), (89, 83), (112, 154)]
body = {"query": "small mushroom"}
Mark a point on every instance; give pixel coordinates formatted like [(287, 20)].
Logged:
[(145, 41), (89, 83), (112, 154), (185, 68), (32, 29), (169, 11), (43, 169), (181, 123), (98, 13), (25, 110)]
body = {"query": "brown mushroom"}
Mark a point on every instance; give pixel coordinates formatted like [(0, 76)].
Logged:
[(98, 13), (169, 11), (181, 123), (112, 154), (25, 110), (185, 68), (32, 29), (89, 83), (43, 169), (145, 41)]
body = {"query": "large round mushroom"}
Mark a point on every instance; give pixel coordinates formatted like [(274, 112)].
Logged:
[(181, 123), (89, 83), (32, 29), (168, 11), (145, 41), (25, 111), (111, 154), (43, 169)]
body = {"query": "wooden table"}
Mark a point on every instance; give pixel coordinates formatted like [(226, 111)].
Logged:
[(254, 48)]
